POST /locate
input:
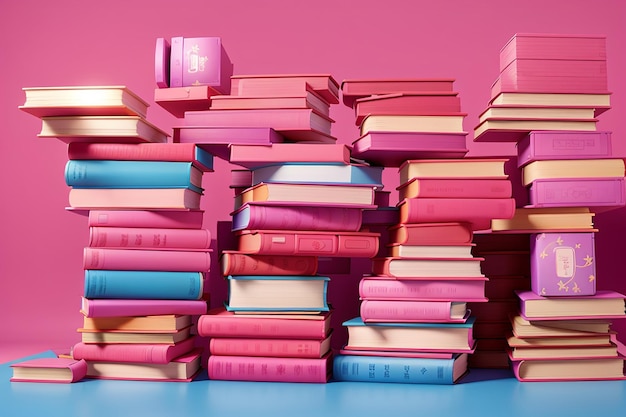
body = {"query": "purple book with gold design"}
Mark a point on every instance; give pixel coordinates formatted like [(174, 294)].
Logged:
[(205, 62), (563, 264)]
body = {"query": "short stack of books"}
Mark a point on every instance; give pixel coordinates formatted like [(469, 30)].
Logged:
[(546, 82), (147, 254)]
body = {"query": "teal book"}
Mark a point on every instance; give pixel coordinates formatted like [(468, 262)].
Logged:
[(319, 173), (104, 173), (151, 285), (400, 370)]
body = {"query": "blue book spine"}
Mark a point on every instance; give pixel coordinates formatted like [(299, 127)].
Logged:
[(103, 173), (158, 285), (399, 370), (204, 158)]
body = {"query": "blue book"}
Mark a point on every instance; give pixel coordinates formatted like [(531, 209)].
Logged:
[(105, 173), (318, 173), (400, 370), (156, 285), (277, 293)]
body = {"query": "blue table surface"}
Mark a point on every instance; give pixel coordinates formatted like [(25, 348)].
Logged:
[(482, 392)]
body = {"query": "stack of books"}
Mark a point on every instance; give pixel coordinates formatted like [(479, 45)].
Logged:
[(546, 82), (147, 253)]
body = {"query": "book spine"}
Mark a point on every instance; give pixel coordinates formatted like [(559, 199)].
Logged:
[(578, 192), (162, 63), (243, 264), (143, 284), (277, 119), (297, 218), (148, 238), (461, 289), (212, 325), (133, 307), (564, 145), (424, 210), (149, 260), (146, 218), (405, 311), (283, 348), (138, 353), (176, 61), (268, 369), (393, 369)]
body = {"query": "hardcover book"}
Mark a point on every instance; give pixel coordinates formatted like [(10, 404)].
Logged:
[(162, 52), (430, 251), (427, 267), (431, 233), (280, 348), (308, 99), (546, 219), (137, 352), (563, 264), (439, 210), (178, 219), (569, 369), (134, 198), (426, 288), (413, 311), (503, 111), (132, 307), (452, 168), (57, 370), (455, 188), (573, 168), (559, 328), (124, 337), (401, 370), (444, 123), (407, 104), (178, 100), (599, 102), (250, 156), (546, 145), (205, 62), (353, 89), (167, 322), (282, 85), (563, 352), (148, 238), (217, 139), (515, 129), (597, 193), (604, 304), (318, 173), (237, 263), (147, 260)]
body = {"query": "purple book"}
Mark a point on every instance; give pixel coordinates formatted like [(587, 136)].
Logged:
[(563, 264), (543, 145), (162, 63), (578, 192), (176, 62), (205, 62)]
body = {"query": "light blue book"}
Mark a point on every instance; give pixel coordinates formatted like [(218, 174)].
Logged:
[(155, 285), (104, 173), (319, 173)]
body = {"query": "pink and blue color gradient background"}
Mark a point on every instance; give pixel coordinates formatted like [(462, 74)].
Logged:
[(71, 42)]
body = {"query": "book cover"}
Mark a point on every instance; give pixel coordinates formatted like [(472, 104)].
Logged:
[(495, 111), (401, 370), (578, 192), (573, 168), (430, 251), (165, 323), (125, 337), (269, 369), (147, 260), (563, 264), (431, 233), (134, 198), (178, 100), (138, 284), (170, 152), (552, 75), (353, 89), (280, 348), (603, 304), (515, 129), (448, 123), (599, 102), (424, 288), (407, 104), (162, 62), (137, 352), (317, 243), (217, 140), (318, 173), (282, 85), (178, 219), (237, 263), (176, 61), (452, 168), (98, 100), (219, 322), (455, 188), (557, 370), (546, 219), (254, 156), (285, 217), (133, 307), (392, 149), (413, 311), (148, 238), (439, 210), (56, 370), (427, 267), (205, 62), (546, 145), (308, 99)]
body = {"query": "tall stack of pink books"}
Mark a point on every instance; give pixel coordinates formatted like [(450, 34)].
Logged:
[(147, 253), (414, 317), (556, 86)]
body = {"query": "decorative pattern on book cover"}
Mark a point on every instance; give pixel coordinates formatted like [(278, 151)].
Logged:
[(577, 192), (538, 145), (563, 264)]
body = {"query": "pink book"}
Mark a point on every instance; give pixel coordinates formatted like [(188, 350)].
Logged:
[(282, 85), (562, 369), (178, 219), (174, 152), (418, 268), (413, 311), (134, 198), (475, 210), (284, 217), (178, 100), (148, 238), (126, 307), (57, 370), (353, 89), (580, 192), (319, 243), (431, 233), (553, 46), (508, 82), (218, 140), (237, 263), (499, 129), (563, 264), (141, 353), (427, 103), (221, 323), (394, 148), (542, 145), (254, 156), (268, 369), (391, 353), (147, 260), (205, 62), (604, 304), (455, 188), (373, 287), (176, 61), (162, 63), (562, 69), (281, 348)]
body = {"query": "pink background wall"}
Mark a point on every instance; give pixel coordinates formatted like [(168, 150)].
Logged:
[(72, 42)]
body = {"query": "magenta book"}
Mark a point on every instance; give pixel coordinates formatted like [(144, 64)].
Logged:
[(284, 85), (147, 260), (445, 233), (175, 219), (220, 135), (374, 287), (254, 156), (148, 238), (543, 145), (57, 370), (127, 307), (237, 263), (413, 311), (354, 89), (580, 192), (281, 348), (162, 63), (455, 188), (427, 103), (563, 264), (604, 304), (142, 353)]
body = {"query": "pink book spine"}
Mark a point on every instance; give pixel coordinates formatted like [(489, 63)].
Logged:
[(162, 63), (407, 311), (559, 68), (253, 216), (77, 368), (425, 210), (183, 152), (176, 62), (293, 152), (149, 238), (128, 307), (275, 242), (145, 218), (407, 104), (457, 188), (244, 135), (284, 348), (142, 353), (580, 192), (471, 289), (540, 145), (235, 263), (147, 260), (431, 233), (573, 85), (267, 369)]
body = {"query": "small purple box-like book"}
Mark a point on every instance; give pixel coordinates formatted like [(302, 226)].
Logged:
[(563, 264), (205, 62), (578, 192)]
